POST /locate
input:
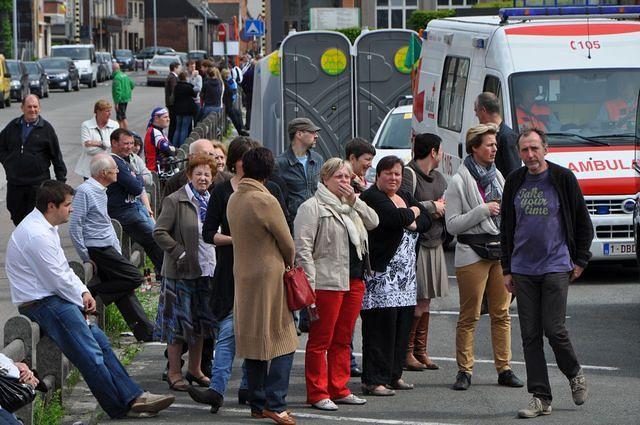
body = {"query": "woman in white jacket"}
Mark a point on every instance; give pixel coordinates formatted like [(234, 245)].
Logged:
[(473, 214), (95, 136)]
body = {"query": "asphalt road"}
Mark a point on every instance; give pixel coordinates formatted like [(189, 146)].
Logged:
[(603, 320)]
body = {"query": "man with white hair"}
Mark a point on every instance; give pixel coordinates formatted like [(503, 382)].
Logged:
[(96, 243)]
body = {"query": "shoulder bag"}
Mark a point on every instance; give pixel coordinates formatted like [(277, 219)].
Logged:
[(299, 292), (14, 394)]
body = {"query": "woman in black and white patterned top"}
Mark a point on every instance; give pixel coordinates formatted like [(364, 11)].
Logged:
[(390, 294)]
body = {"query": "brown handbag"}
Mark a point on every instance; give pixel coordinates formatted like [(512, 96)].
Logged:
[(299, 292)]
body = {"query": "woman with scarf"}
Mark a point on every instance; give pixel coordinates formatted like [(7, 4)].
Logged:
[(473, 215), (184, 312), (330, 232), (157, 147)]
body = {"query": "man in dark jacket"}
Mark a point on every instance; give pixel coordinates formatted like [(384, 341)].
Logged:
[(546, 235), (169, 87), (28, 146), (487, 108)]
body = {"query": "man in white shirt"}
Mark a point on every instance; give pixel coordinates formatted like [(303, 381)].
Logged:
[(46, 290)]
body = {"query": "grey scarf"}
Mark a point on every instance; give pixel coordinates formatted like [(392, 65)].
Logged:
[(487, 179)]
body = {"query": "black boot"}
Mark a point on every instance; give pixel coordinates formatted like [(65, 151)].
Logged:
[(208, 396)]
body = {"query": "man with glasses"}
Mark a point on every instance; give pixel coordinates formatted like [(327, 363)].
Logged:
[(96, 243), (299, 166)]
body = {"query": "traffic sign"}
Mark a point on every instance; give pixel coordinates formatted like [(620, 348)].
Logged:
[(254, 27)]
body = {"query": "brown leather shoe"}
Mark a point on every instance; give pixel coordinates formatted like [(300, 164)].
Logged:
[(411, 363), (420, 349), (283, 418)]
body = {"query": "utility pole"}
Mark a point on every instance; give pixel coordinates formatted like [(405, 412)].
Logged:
[(155, 29), (15, 29), (205, 6)]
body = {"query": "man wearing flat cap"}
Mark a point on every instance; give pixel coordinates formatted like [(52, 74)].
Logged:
[(299, 166)]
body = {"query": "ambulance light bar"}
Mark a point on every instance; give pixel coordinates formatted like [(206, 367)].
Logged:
[(529, 13)]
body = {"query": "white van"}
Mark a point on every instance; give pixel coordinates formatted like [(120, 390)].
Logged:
[(574, 69), (84, 57)]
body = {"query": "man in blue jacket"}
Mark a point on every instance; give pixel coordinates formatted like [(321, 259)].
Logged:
[(546, 234), (122, 195)]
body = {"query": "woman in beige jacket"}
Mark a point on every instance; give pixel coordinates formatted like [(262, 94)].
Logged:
[(263, 323), (331, 246)]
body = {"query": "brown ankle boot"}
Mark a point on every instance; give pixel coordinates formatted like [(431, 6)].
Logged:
[(411, 362), (420, 349)]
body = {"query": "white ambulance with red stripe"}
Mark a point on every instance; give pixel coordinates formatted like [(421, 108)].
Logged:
[(575, 72)]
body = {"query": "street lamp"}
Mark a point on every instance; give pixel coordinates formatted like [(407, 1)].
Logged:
[(15, 29)]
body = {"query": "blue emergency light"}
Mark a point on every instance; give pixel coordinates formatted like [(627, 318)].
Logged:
[(524, 13)]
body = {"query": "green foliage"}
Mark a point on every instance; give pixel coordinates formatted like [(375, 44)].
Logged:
[(6, 36), (50, 413), (351, 33), (420, 18), (129, 353), (115, 323), (493, 4)]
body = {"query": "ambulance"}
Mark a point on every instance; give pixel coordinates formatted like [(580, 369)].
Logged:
[(577, 69)]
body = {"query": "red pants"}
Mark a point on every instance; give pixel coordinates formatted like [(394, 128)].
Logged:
[(327, 360)]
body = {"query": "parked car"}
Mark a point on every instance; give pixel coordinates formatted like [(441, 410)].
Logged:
[(62, 73), (150, 52), (158, 69), (125, 58), (197, 55), (392, 138), (38, 80), (5, 84), (107, 61), (182, 55), (19, 79)]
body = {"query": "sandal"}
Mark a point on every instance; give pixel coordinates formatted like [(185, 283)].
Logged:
[(178, 384), (283, 418)]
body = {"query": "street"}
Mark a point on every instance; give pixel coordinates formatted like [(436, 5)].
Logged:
[(603, 318)]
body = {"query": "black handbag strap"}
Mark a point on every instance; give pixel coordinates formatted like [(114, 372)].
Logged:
[(478, 238)]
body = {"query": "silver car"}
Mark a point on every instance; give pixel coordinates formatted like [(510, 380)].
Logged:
[(158, 69)]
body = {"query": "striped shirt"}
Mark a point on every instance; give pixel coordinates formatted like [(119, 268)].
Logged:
[(90, 224)]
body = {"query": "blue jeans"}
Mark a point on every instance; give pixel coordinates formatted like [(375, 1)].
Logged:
[(89, 350), (268, 385), (182, 130), (225, 351), (208, 109), (144, 213), (140, 229), (7, 418)]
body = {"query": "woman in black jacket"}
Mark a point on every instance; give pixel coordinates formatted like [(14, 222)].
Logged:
[(211, 93), (390, 294), (184, 107)]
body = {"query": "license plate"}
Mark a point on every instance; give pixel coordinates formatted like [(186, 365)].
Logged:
[(619, 248)]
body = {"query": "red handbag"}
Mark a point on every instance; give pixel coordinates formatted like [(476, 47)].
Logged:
[(299, 292)]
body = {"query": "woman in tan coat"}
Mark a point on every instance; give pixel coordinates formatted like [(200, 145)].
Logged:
[(262, 248)]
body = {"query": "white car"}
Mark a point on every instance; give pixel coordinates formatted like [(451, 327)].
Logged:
[(392, 138), (158, 69)]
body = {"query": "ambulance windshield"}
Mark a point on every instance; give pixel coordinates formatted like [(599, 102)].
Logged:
[(578, 106)]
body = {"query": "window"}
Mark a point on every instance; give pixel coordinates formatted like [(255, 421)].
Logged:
[(130, 10), (456, 4), (394, 13), (452, 89), (141, 12), (492, 84)]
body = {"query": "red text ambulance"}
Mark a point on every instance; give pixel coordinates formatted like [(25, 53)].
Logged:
[(577, 70)]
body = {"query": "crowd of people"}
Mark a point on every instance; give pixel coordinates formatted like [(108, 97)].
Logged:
[(237, 217)]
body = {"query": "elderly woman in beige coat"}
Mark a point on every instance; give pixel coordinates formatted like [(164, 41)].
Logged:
[(263, 324), (332, 247)]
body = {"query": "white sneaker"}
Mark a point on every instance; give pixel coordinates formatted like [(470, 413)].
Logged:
[(350, 399), (536, 407), (325, 404)]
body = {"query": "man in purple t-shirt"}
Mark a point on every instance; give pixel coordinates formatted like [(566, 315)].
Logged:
[(546, 234)]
